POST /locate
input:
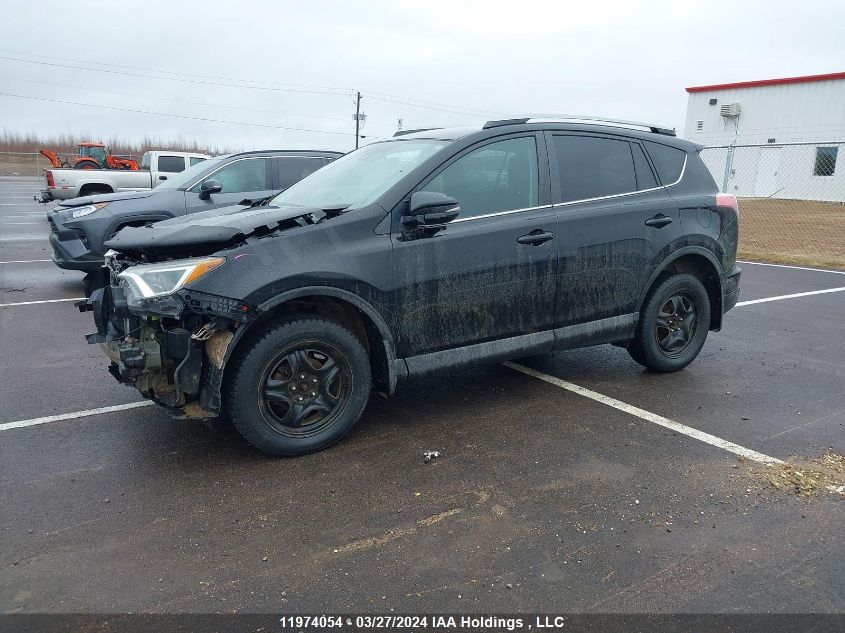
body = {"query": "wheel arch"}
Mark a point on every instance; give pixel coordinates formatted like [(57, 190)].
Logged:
[(97, 187), (341, 306), (701, 263)]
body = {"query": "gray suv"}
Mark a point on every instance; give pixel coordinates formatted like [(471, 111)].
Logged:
[(81, 225)]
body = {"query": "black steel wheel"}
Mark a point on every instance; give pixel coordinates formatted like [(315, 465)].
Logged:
[(298, 386), (305, 387), (676, 323), (673, 324)]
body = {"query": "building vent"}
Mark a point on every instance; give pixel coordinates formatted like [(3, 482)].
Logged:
[(713, 101), (699, 125), (730, 110)]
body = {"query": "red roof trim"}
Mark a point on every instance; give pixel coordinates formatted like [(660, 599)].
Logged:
[(769, 82)]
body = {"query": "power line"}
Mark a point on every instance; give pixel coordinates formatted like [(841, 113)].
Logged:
[(197, 103), (173, 72), (191, 81), (428, 107), (215, 81), (399, 99), (178, 116)]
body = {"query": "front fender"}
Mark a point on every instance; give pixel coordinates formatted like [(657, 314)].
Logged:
[(211, 399)]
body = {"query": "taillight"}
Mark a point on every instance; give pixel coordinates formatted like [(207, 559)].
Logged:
[(727, 200), (50, 182)]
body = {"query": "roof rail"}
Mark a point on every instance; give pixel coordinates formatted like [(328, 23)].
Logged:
[(577, 118), (422, 129)]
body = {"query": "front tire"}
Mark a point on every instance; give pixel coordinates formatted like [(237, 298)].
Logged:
[(298, 387), (673, 324)]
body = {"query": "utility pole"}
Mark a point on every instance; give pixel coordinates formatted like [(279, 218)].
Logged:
[(357, 118)]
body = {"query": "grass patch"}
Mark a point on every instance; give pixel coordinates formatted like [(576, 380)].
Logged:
[(801, 232)]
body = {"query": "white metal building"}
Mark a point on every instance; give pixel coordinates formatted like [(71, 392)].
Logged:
[(775, 138)]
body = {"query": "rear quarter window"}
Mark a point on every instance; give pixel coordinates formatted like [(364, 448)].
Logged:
[(669, 161)]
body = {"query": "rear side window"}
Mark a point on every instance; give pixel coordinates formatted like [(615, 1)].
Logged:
[(593, 167), (172, 164), (645, 177), (291, 169), (145, 161), (669, 161), (195, 160)]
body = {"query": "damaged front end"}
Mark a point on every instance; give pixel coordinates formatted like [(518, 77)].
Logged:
[(166, 340)]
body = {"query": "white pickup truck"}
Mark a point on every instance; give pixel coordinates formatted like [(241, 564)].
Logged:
[(156, 166)]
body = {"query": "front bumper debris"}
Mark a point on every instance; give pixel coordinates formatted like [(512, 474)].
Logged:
[(177, 361)]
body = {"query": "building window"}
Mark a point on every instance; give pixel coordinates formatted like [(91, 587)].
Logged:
[(772, 140), (825, 161), (699, 125)]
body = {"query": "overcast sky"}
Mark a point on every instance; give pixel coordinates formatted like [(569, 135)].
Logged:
[(298, 64)]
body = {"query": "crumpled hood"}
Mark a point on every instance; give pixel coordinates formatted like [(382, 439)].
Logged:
[(216, 226), (107, 197)]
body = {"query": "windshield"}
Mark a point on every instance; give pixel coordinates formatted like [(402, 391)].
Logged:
[(174, 181), (360, 177)]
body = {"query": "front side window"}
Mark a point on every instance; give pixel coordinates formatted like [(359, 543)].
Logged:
[(825, 164), (593, 167), (249, 174), (172, 164), (501, 176)]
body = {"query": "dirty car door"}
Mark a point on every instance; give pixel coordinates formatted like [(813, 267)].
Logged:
[(606, 198), (490, 273)]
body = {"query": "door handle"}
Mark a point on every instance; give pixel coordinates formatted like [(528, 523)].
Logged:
[(536, 237), (658, 221)]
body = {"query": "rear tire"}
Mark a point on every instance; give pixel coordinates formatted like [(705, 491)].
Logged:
[(299, 387), (673, 324)]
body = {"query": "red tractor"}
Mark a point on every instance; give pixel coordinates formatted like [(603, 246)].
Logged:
[(92, 156)]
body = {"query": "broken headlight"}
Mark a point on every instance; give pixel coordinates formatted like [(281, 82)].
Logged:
[(147, 281)]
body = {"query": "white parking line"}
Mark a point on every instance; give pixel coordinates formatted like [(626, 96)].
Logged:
[(32, 303), (747, 453), (792, 296), (26, 261), (7, 426), (817, 270)]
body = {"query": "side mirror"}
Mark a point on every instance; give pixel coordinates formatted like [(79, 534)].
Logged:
[(430, 208), (209, 187)]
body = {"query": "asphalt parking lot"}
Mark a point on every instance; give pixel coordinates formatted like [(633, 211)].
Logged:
[(544, 498)]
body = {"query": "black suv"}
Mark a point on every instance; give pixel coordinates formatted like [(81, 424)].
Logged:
[(435, 249), (81, 225)]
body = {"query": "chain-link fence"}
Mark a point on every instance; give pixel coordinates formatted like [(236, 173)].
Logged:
[(791, 199)]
